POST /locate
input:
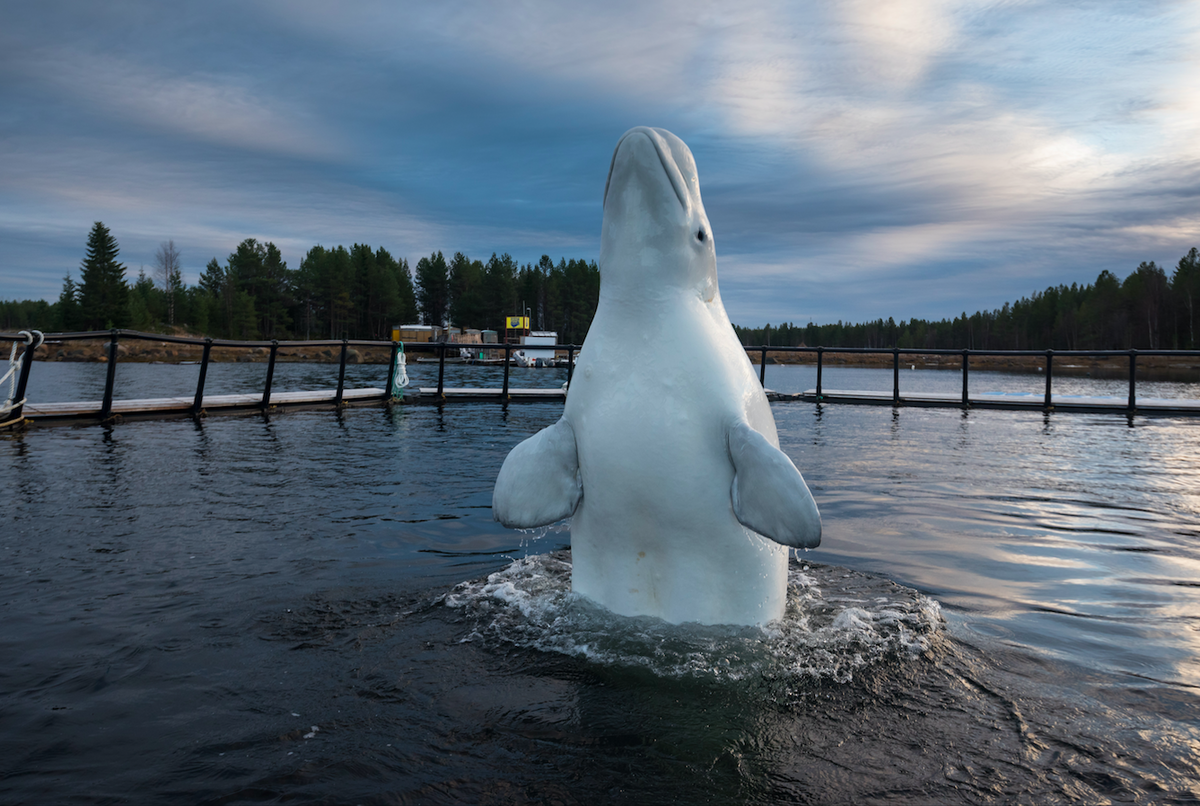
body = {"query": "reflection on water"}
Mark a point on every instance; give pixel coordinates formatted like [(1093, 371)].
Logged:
[(1079, 527), (255, 609)]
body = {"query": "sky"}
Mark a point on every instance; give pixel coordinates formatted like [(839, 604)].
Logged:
[(857, 160)]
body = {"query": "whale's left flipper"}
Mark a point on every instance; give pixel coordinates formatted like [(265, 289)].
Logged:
[(769, 494), (539, 482)]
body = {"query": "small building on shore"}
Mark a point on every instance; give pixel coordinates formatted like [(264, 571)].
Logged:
[(416, 333), (539, 337)]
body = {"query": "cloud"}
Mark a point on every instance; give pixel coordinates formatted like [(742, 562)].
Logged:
[(218, 110), (858, 159)]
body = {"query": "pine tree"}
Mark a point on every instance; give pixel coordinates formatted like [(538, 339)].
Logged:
[(67, 309), (168, 275), (467, 307), (103, 294), (433, 288), (1185, 284), (407, 309)]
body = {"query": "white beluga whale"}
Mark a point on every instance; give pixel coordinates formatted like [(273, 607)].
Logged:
[(666, 456)]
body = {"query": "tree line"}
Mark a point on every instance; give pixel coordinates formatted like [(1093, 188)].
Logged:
[(355, 293), (1146, 310), (362, 292)]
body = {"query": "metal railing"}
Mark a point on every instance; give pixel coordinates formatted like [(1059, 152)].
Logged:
[(966, 355), (441, 348), (207, 344)]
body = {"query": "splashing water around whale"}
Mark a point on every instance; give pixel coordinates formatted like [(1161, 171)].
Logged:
[(836, 622), (666, 456)]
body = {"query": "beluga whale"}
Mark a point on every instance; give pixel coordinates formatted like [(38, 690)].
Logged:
[(666, 457)]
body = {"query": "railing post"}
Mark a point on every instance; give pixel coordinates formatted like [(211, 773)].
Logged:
[(391, 372), (35, 341), (966, 398), (337, 401), (762, 369), (266, 398), (1132, 381), (507, 358), (570, 362), (1049, 402), (110, 378), (441, 366), (895, 376), (198, 403), (820, 360)]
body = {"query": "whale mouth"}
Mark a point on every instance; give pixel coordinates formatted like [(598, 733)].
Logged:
[(667, 161)]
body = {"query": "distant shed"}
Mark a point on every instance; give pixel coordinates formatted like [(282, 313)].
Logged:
[(539, 337), (416, 333)]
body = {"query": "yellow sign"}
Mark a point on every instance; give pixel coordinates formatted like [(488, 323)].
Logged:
[(518, 323)]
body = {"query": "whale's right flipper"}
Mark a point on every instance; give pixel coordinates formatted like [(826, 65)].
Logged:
[(539, 482), (769, 494)]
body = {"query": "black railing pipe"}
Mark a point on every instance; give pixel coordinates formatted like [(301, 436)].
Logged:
[(507, 360), (570, 363), (820, 357), (266, 399), (441, 368), (762, 369), (966, 398), (198, 403), (23, 378), (1049, 402), (1133, 354), (337, 401), (110, 378), (895, 376)]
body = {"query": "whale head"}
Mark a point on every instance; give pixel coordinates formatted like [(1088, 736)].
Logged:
[(655, 235)]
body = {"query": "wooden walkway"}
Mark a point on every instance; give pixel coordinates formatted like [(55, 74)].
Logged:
[(232, 404), (430, 395), (162, 407), (169, 406), (1143, 405)]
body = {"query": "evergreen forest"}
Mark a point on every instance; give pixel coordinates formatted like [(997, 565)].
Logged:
[(335, 293), (362, 292), (1148, 310)]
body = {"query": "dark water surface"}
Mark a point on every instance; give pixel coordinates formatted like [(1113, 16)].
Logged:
[(258, 610)]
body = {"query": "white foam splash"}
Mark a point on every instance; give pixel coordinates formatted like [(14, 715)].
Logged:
[(836, 622)]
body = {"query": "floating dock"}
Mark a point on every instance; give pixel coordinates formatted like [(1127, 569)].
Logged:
[(327, 398), (161, 407), (15, 409), (430, 395), (185, 406)]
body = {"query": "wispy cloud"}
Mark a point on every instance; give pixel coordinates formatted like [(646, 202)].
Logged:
[(858, 159)]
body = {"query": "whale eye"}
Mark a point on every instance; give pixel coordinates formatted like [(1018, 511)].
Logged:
[(700, 234)]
